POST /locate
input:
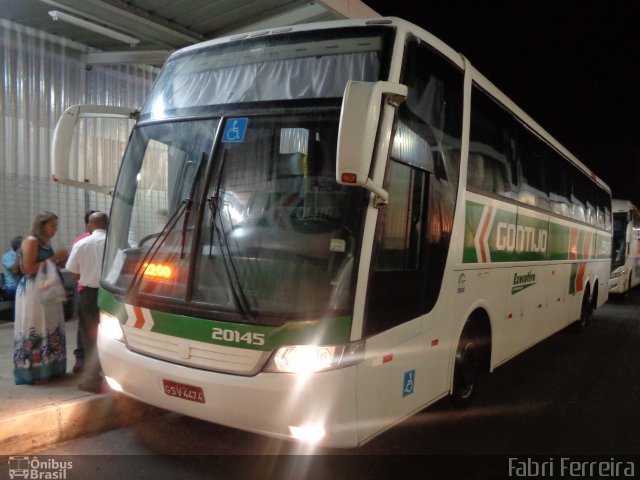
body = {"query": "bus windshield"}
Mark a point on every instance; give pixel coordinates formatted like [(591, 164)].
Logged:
[(306, 65), (255, 224), (618, 251)]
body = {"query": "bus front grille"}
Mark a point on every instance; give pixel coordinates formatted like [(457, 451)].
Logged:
[(219, 358)]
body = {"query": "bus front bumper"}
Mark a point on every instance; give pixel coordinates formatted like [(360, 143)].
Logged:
[(280, 405), (618, 281)]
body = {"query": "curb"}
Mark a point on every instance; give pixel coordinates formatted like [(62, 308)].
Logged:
[(40, 428)]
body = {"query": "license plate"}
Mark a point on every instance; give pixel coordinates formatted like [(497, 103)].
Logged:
[(181, 390)]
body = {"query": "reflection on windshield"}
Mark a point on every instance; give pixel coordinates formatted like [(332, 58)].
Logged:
[(279, 225), (619, 239), (153, 207), (277, 235), (305, 65)]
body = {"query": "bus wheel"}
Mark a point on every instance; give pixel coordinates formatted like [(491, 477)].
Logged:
[(586, 311), (467, 368)]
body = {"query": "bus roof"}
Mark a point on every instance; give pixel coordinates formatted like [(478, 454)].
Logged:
[(619, 205), (408, 27)]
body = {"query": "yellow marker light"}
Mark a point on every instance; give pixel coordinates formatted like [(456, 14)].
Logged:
[(158, 270), (110, 326)]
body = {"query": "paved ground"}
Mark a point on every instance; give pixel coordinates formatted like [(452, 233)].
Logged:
[(33, 417), (18, 398)]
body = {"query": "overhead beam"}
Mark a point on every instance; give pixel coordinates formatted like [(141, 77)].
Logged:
[(295, 16), (148, 57), (146, 26)]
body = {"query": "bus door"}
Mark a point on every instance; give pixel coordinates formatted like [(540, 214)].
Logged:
[(392, 381), (634, 248), (402, 371)]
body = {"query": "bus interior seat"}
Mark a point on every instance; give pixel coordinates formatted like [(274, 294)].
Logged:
[(590, 214), (475, 170), (559, 204), (560, 208), (497, 175), (532, 196), (577, 209), (290, 165)]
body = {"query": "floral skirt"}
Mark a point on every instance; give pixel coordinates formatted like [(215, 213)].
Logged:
[(40, 345)]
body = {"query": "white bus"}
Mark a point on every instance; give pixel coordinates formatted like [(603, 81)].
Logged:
[(318, 231), (625, 253)]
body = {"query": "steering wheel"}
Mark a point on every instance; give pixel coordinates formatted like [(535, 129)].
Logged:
[(144, 239)]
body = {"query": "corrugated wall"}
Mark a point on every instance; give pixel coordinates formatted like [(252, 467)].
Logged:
[(42, 75)]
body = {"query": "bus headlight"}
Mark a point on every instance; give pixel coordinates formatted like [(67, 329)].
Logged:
[(314, 358), (110, 326), (307, 433), (113, 383)]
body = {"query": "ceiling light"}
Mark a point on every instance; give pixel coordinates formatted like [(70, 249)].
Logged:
[(82, 23)]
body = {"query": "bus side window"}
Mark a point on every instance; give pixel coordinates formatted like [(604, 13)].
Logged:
[(604, 209), (490, 168), (399, 245), (636, 226), (530, 151), (557, 181), (398, 279), (579, 196)]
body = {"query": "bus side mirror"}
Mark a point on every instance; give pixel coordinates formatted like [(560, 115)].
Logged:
[(63, 138), (362, 107)]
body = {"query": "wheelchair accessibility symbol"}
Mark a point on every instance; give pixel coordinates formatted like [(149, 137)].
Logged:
[(409, 382), (234, 130)]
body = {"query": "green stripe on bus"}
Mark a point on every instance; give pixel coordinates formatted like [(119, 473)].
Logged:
[(519, 237), (501, 237), (107, 302), (533, 238), (473, 214), (558, 245), (327, 331)]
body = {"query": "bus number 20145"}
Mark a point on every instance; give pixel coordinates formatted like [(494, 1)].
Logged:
[(235, 336)]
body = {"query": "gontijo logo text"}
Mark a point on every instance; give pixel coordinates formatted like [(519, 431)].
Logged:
[(520, 238), (497, 235)]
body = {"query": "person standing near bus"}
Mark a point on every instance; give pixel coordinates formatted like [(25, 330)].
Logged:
[(85, 265), (40, 344), (79, 351), (12, 270)]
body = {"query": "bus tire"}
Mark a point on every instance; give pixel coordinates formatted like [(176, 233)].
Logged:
[(467, 367), (586, 311)]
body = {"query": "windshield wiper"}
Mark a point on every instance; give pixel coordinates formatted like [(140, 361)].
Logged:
[(227, 258), (184, 205), (187, 212), (184, 208)]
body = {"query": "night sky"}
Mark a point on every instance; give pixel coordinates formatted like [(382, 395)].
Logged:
[(574, 67)]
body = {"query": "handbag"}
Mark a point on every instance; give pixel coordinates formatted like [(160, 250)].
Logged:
[(49, 285)]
